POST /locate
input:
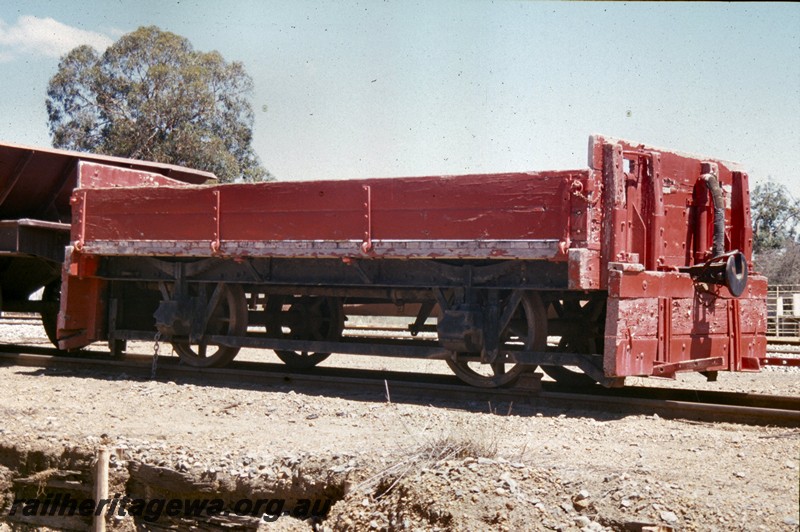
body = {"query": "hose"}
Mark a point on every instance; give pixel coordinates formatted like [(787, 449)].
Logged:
[(719, 213)]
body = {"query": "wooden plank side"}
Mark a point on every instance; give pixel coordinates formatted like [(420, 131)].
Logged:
[(494, 207), (144, 213), (95, 175)]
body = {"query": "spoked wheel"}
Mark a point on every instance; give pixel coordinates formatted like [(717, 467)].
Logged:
[(51, 298), (566, 376), (583, 342), (527, 331), (225, 314), (304, 318)]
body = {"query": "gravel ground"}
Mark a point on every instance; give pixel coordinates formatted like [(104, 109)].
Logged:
[(400, 465)]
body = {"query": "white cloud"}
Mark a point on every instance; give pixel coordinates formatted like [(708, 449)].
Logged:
[(45, 37)]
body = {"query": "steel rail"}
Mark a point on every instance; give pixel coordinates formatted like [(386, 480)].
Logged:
[(774, 344), (11, 318), (695, 405)]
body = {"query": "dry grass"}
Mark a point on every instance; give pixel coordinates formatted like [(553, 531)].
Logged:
[(458, 442)]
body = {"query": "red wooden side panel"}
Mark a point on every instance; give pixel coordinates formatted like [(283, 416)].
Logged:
[(497, 207), (474, 208), (164, 213)]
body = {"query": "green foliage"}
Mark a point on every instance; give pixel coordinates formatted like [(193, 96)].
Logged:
[(151, 96), (776, 220), (781, 266), (776, 216)]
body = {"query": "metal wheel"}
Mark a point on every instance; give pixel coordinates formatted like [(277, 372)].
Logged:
[(581, 340), (51, 299), (226, 314), (527, 331), (304, 318), (566, 376)]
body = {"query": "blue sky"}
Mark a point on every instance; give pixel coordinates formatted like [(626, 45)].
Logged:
[(373, 89)]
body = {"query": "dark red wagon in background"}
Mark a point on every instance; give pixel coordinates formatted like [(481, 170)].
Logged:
[(36, 185)]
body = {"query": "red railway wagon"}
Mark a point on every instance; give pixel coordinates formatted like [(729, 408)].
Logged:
[(35, 215), (636, 265)]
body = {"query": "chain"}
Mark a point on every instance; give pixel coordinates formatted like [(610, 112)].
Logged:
[(576, 188), (156, 347), (588, 199)]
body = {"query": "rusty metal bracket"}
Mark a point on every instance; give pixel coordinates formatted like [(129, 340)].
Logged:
[(664, 329), (779, 361), (576, 188), (366, 245), (216, 241), (424, 312), (82, 235), (592, 365), (669, 370)]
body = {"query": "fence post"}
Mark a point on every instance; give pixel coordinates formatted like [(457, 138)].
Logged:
[(100, 489)]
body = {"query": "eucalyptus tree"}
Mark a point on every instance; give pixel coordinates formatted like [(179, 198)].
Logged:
[(152, 96)]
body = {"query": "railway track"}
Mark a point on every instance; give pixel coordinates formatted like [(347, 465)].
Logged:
[(17, 318), (371, 385)]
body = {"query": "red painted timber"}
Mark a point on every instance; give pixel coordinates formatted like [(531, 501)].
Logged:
[(652, 208), (521, 206)]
